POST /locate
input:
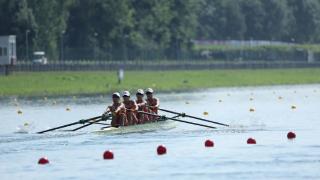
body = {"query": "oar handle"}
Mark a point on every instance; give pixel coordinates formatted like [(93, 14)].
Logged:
[(93, 122)]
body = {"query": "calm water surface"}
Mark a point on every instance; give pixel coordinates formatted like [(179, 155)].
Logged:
[(79, 155)]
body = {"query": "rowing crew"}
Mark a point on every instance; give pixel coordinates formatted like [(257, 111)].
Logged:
[(125, 113)]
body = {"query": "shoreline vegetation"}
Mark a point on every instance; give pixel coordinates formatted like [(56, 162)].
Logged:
[(259, 53), (36, 84), (150, 30)]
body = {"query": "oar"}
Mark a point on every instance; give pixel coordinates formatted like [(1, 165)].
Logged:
[(83, 121), (93, 122), (162, 119), (173, 119), (102, 124), (186, 115), (105, 127)]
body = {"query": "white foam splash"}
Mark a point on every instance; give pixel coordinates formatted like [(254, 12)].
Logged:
[(25, 128)]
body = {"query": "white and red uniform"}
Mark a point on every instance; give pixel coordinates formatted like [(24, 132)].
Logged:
[(131, 112), (153, 105), (142, 106), (118, 111)]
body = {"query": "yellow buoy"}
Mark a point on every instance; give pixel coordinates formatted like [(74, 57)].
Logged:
[(205, 113), (252, 110), (19, 111), (68, 109)]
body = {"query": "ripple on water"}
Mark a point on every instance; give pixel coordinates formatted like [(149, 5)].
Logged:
[(78, 155)]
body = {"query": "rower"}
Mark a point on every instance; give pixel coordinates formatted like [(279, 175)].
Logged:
[(152, 102), (131, 108), (142, 106), (118, 111)]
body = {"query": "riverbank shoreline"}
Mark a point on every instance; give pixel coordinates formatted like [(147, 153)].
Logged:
[(102, 96), (54, 84)]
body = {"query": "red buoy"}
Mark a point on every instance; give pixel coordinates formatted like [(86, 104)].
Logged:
[(208, 143), (291, 135), (161, 150), (108, 155), (43, 160), (251, 141)]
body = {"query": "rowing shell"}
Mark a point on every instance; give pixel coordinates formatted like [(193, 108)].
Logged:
[(139, 128)]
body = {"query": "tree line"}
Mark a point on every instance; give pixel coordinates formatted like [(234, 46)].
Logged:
[(126, 28)]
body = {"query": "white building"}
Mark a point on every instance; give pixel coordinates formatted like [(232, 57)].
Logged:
[(8, 54)]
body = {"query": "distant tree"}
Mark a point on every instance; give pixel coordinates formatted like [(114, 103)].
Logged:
[(306, 24), (276, 20), (206, 22), (79, 25), (221, 20), (183, 25), (102, 23), (123, 29), (51, 19), (152, 19), (17, 19), (254, 18)]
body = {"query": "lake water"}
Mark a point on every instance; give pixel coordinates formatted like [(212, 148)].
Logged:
[(78, 155)]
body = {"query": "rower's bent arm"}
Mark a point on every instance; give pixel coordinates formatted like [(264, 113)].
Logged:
[(158, 103), (135, 106), (119, 108), (109, 108)]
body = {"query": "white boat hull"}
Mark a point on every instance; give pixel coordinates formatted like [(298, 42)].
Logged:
[(139, 128)]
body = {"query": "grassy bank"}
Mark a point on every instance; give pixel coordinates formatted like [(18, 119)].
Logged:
[(72, 83)]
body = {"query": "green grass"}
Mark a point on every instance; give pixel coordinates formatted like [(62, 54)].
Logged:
[(74, 83)]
